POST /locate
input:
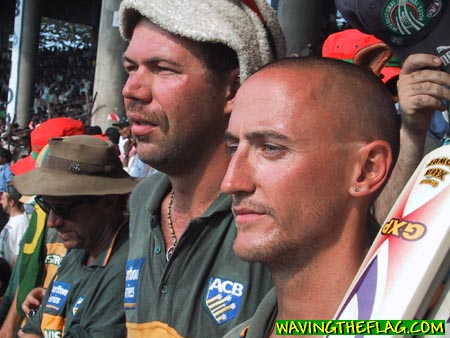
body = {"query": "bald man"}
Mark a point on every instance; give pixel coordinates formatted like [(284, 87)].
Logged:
[(312, 142)]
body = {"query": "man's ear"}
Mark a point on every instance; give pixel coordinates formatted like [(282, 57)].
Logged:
[(372, 168), (233, 84)]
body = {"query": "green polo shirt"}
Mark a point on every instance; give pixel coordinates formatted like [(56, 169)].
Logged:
[(205, 289), (262, 323), (86, 301)]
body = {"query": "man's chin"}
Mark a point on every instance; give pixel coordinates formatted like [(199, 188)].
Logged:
[(147, 152), (246, 251)]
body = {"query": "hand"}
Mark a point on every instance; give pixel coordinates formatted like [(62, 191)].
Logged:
[(33, 300), (21, 334), (6, 332), (421, 88)]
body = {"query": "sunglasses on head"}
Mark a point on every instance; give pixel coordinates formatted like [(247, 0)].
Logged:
[(64, 210)]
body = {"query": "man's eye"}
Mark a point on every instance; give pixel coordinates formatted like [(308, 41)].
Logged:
[(270, 148), (164, 70), (231, 149), (129, 68)]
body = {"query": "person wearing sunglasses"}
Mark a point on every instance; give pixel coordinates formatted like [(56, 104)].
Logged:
[(83, 188)]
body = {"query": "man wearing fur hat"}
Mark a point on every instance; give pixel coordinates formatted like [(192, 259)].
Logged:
[(185, 62), (83, 188)]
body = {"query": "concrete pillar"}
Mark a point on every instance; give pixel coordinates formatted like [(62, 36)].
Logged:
[(301, 22), (23, 89), (109, 74)]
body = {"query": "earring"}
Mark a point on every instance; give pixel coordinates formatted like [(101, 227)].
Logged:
[(357, 189)]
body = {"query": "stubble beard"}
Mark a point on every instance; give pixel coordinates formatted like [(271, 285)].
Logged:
[(150, 150), (261, 247), (281, 251), (173, 152)]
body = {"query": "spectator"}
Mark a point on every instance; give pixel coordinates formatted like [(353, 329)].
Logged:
[(178, 106), (59, 89), (310, 223), (5, 171), (367, 50), (113, 135), (136, 168), (37, 264), (424, 80), (13, 231), (94, 130), (124, 145), (5, 178), (84, 190)]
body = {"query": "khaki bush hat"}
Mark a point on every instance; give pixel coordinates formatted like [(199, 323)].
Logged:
[(77, 165)]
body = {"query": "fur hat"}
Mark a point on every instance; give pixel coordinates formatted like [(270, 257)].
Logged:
[(77, 165), (249, 27)]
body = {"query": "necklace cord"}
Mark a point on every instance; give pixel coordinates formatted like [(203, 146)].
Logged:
[(171, 249)]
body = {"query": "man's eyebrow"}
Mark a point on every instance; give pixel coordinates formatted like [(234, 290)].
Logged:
[(266, 135), (257, 135), (125, 58), (151, 60), (229, 137)]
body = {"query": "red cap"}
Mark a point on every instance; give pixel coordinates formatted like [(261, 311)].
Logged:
[(57, 127), (345, 44)]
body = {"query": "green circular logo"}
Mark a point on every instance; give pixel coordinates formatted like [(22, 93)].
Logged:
[(406, 18)]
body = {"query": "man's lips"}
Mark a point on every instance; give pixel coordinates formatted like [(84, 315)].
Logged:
[(140, 127), (245, 215), (64, 235)]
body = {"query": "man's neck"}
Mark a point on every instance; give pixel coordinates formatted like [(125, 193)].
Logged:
[(112, 226), (14, 212), (195, 190), (193, 193), (316, 290)]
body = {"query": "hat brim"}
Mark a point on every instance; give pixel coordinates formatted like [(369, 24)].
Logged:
[(43, 181), (26, 199), (389, 73), (437, 42), (24, 165)]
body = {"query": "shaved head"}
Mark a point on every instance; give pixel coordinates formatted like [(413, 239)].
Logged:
[(355, 98)]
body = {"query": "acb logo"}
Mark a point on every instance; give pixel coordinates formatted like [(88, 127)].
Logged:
[(223, 299)]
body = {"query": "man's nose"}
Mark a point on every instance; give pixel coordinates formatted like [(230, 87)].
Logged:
[(53, 220)]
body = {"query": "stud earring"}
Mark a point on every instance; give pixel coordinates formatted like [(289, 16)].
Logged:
[(357, 189)]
